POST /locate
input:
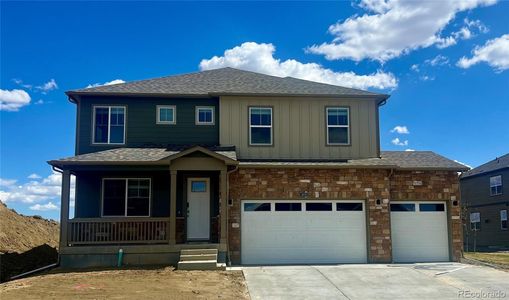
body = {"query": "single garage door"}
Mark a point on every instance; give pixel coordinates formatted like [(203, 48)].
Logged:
[(303, 232), (419, 232)]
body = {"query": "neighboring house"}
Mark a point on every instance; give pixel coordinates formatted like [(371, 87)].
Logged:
[(263, 169), (485, 197)]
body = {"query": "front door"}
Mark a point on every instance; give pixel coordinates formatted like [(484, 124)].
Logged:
[(198, 212)]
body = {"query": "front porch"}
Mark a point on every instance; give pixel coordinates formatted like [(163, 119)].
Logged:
[(151, 211)]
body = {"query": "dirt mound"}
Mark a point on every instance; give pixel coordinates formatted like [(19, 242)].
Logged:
[(14, 263), (20, 233)]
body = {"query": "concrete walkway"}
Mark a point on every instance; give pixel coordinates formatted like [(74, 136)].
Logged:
[(396, 281)]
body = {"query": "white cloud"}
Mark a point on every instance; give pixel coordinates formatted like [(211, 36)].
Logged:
[(397, 142), (44, 207), (7, 182), (438, 60), (394, 28), (415, 67), (400, 129), (48, 86), (260, 58), (427, 78), (34, 191), (116, 81), (409, 150), (495, 53), (34, 176), (22, 84), (13, 100), (39, 102)]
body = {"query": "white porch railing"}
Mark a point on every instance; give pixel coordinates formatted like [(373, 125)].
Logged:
[(83, 231)]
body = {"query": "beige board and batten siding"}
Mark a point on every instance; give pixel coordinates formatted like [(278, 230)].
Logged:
[(299, 127)]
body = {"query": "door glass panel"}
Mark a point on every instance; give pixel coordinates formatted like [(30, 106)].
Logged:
[(403, 207), (288, 206), (431, 207), (349, 206), (319, 206), (256, 206), (198, 186)]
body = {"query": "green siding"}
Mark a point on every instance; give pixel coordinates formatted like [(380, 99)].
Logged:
[(141, 127)]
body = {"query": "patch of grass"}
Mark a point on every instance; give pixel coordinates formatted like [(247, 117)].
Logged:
[(497, 258)]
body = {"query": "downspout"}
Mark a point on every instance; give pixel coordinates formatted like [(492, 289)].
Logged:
[(229, 262)]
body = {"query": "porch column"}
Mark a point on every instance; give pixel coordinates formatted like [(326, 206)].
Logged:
[(224, 206), (173, 207), (64, 207)]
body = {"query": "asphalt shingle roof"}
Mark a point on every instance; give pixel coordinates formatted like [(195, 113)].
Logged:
[(127, 155), (493, 165), (225, 81), (412, 160)]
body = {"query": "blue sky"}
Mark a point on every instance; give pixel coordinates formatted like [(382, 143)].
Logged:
[(446, 65)]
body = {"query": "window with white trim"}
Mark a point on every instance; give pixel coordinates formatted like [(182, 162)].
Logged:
[(204, 115), (496, 185), (503, 219), (109, 125), (338, 125), (475, 221), (260, 126), (123, 197), (166, 114)]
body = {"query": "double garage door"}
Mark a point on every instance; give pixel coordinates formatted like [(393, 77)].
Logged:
[(286, 232), (307, 232)]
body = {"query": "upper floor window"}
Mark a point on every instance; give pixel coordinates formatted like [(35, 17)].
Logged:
[(503, 219), (496, 185), (260, 126), (109, 125), (166, 114), (475, 221), (204, 115), (338, 123)]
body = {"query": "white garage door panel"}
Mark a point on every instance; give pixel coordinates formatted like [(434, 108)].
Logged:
[(284, 237), (420, 236)]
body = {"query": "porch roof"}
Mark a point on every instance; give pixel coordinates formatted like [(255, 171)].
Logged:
[(143, 156)]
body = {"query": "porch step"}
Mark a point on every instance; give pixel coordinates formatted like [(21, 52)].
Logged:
[(198, 251), (199, 259), (201, 265)]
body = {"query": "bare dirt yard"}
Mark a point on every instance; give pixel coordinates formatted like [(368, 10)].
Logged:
[(160, 283)]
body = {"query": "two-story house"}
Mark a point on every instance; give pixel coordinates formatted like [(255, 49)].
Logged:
[(485, 197), (260, 169)]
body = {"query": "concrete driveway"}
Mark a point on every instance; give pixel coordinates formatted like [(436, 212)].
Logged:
[(395, 281)]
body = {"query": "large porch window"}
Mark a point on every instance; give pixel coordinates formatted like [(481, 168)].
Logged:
[(124, 197)]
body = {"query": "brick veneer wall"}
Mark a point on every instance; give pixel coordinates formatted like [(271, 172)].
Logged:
[(347, 184)]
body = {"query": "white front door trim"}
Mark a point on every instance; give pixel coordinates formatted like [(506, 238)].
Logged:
[(198, 211)]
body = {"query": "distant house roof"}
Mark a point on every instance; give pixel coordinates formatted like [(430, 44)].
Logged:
[(414, 160), (498, 163), (225, 81)]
